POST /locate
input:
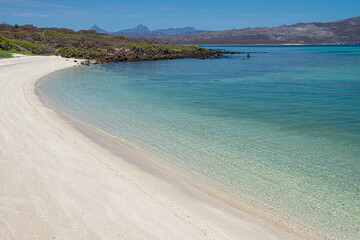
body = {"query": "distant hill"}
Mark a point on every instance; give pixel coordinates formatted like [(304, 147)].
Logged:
[(175, 31), (142, 31), (345, 31), (97, 29), (139, 30)]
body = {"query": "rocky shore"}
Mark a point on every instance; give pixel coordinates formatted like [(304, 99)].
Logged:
[(140, 55)]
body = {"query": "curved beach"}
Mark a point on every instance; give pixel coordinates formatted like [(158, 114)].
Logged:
[(57, 183)]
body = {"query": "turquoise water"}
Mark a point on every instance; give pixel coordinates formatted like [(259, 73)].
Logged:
[(276, 134)]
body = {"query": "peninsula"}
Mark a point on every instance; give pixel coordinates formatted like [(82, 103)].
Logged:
[(99, 47)]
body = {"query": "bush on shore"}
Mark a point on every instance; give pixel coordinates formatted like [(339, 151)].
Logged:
[(91, 45)]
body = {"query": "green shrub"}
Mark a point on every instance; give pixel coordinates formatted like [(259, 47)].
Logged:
[(6, 44), (5, 54), (17, 45), (9, 53), (33, 47)]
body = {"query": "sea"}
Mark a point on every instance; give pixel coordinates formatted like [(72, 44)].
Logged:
[(275, 134)]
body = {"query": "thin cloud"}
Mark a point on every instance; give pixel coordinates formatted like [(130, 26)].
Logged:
[(120, 6), (30, 3), (131, 15), (168, 9), (27, 14)]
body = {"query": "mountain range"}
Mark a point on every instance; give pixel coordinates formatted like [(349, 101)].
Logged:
[(345, 31), (142, 31)]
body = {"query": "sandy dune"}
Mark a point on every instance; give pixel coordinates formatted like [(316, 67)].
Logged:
[(56, 183)]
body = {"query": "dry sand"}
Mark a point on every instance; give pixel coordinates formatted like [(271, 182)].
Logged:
[(57, 183)]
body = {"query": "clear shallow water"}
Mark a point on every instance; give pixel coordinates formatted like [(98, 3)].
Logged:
[(280, 130)]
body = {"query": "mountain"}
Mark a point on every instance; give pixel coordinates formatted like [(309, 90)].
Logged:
[(139, 30), (142, 31), (175, 31), (345, 31), (97, 29)]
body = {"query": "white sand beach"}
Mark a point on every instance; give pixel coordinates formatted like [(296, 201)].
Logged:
[(57, 183)]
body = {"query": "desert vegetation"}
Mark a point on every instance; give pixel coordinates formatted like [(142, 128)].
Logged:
[(88, 44)]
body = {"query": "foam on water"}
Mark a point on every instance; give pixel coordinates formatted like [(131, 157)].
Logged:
[(280, 130)]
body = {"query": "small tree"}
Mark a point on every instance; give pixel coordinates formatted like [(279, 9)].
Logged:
[(16, 26)]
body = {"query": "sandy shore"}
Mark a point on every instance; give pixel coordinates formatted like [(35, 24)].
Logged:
[(57, 183)]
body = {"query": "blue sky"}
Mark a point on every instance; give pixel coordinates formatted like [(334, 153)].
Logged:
[(114, 15)]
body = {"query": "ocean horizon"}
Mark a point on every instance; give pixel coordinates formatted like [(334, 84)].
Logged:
[(275, 134)]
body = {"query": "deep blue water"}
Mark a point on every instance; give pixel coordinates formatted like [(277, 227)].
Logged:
[(276, 134)]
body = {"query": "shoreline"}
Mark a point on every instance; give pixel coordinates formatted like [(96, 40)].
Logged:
[(280, 45), (194, 184), (71, 187)]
